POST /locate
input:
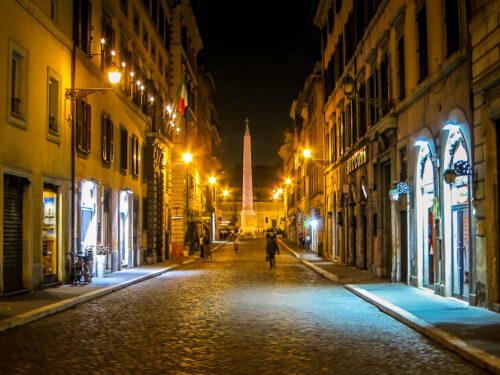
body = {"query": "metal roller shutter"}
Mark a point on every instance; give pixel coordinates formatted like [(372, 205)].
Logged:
[(13, 233)]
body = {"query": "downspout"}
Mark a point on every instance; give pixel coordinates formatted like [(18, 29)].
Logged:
[(72, 251)]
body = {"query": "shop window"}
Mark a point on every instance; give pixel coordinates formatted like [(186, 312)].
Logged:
[(107, 140), (53, 99), (123, 150), (135, 155), (83, 126), (18, 74), (49, 234)]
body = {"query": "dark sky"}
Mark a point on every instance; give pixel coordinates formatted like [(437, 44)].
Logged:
[(259, 53)]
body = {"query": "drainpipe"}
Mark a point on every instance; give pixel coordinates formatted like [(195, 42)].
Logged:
[(73, 165)]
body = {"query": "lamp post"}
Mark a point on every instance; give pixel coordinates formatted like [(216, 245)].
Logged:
[(75, 94)]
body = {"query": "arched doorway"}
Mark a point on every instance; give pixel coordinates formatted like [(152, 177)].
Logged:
[(457, 212), (426, 207), (125, 227), (88, 217)]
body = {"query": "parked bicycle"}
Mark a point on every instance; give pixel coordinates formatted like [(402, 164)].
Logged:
[(82, 266)]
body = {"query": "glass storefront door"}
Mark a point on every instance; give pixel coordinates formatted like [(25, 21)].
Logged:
[(49, 234)]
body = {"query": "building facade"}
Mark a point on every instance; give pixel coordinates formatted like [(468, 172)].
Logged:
[(86, 164), (403, 177)]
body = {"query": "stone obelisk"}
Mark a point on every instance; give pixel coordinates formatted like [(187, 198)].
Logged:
[(247, 212)]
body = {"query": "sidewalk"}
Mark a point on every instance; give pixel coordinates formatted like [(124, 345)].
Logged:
[(472, 332), (25, 308)]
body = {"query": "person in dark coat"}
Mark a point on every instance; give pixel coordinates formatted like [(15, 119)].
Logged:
[(271, 250)]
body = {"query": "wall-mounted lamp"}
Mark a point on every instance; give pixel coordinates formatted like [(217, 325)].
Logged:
[(399, 189), (460, 168)]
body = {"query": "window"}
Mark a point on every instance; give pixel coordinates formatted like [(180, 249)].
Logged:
[(83, 126), (452, 27), (161, 22), (53, 10), (124, 6), (362, 110), (330, 19), (83, 25), (135, 155), (146, 4), (107, 140), (53, 98), (154, 11), (123, 150), (109, 36), (137, 21), (167, 34), (160, 63), (145, 36), (401, 68), (153, 50), (384, 83), (18, 75), (423, 62)]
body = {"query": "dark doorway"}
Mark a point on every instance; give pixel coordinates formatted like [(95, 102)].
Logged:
[(403, 260), (386, 221)]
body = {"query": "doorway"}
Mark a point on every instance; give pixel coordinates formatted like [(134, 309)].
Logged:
[(88, 217), (125, 230)]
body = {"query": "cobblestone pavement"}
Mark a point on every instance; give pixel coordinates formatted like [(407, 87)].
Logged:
[(230, 316)]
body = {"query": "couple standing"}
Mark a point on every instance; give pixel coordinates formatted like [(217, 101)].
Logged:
[(271, 250)]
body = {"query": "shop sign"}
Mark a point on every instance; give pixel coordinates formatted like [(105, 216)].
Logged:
[(357, 160)]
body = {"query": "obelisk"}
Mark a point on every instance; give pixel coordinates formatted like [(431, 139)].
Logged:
[(247, 212)]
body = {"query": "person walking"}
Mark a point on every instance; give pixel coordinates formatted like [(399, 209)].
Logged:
[(301, 240), (236, 243), (202, 250), (271, 250), (206, 248)]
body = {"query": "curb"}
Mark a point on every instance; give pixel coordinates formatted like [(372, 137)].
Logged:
[(467, 351), (449, 341), (322, 272), (53, 308)]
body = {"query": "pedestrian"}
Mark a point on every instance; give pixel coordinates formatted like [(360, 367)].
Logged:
[(308, 242), (206, 247), (301, 240), (202, 250), (236, 243), (271, 250)]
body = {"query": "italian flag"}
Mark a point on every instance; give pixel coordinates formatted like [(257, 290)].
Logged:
[(182, 94)]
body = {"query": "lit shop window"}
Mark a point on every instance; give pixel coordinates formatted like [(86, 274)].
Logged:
[(49, 234)]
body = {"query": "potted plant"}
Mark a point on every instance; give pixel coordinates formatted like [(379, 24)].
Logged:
[(101, 259)]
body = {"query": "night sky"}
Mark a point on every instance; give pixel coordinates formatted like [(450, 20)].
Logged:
[(259, 53)]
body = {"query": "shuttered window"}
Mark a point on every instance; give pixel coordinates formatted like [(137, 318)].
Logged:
[(107, 140), (123, 150), (83, 126)]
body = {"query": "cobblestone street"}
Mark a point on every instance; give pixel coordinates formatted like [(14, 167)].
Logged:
[(229, 316)]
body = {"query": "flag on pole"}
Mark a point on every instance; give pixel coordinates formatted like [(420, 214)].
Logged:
[(182, 94)]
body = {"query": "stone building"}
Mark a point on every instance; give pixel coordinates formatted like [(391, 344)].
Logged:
[(484, 28), (397, 112), (305, 171)]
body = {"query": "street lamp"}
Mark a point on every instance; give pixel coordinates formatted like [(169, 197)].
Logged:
[(75, 94), (306, 153)]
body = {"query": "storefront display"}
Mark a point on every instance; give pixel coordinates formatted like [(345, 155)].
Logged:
[(49, 235)]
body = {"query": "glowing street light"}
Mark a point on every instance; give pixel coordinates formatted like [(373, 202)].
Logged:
[(114, 75), (288, 181), (225, 193), (211, 180), (306, 153), (187, 157)]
